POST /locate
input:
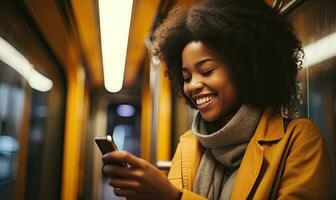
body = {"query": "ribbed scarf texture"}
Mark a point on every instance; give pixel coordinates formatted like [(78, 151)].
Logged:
[(224, 150)]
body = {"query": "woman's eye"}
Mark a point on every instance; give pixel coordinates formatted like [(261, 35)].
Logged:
[(207, 73)]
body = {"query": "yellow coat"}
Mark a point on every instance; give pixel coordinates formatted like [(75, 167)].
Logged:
[(283, 165)]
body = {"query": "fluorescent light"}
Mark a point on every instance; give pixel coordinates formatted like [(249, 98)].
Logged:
[(14, 59), (115, 19), (320, 50)]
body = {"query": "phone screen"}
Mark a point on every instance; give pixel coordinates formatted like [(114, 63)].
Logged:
[(106, 144)]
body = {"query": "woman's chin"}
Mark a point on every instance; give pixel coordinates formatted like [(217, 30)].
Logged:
[(209, 117)]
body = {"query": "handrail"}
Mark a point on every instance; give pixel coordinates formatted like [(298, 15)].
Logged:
[(289, 6), (277, 4)]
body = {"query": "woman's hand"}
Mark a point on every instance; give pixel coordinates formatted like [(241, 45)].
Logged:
[(140, 180)]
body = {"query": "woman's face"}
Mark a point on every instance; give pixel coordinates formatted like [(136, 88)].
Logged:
[(207, 81)]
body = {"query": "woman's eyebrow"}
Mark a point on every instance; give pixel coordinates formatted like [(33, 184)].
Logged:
[(199, 63)]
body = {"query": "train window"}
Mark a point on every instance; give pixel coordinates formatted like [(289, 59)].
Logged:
[(32, 107), (36, 138), (316, 26), (124, 126), (27, 139), (11, 108), (120, 134), (8, 149), (125, 110)]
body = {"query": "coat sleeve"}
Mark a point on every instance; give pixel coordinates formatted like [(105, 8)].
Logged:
[(307, 172), (175, 177)]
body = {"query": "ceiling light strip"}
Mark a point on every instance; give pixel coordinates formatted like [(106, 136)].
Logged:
[(115, 19), (14, 59)]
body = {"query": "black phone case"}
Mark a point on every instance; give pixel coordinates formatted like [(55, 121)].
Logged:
[(106, 146)]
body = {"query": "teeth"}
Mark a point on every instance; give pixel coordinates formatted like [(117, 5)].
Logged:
[(203, 100)]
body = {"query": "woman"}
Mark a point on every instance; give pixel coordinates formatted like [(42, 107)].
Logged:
[(236, 62)]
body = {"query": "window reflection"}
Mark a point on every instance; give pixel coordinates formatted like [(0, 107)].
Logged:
[(36, 137), (11, 107), (120, 134), (8, 149), (124, 126)]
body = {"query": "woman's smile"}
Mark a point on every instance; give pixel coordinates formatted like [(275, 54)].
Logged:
[(204, 102)]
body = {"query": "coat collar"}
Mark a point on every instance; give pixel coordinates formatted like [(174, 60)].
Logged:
[(191, 154), (269, 129)]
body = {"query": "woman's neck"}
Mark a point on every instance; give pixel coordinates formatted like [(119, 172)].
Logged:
[(218, 124)]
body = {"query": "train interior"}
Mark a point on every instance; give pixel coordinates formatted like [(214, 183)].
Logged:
[(55, 97)]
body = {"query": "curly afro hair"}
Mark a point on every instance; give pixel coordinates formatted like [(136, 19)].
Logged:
[(258, 43)]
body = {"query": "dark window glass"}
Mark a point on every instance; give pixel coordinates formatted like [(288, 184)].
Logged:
[(315, 23)]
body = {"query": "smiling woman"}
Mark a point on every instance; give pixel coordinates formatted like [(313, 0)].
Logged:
[(222, 58)]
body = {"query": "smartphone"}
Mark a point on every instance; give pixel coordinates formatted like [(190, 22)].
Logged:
[(106, 144)]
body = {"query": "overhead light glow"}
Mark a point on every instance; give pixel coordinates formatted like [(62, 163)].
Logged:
[(320, 50), (115, 19), (8, 144), (125, 110), (14, 59)]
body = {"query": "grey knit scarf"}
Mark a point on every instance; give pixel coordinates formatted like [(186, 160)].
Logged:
[(223, 153)]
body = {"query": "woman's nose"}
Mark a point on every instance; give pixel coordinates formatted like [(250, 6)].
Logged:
[(195, 85)]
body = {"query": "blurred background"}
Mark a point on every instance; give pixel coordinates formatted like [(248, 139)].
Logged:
[(66, 76)]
